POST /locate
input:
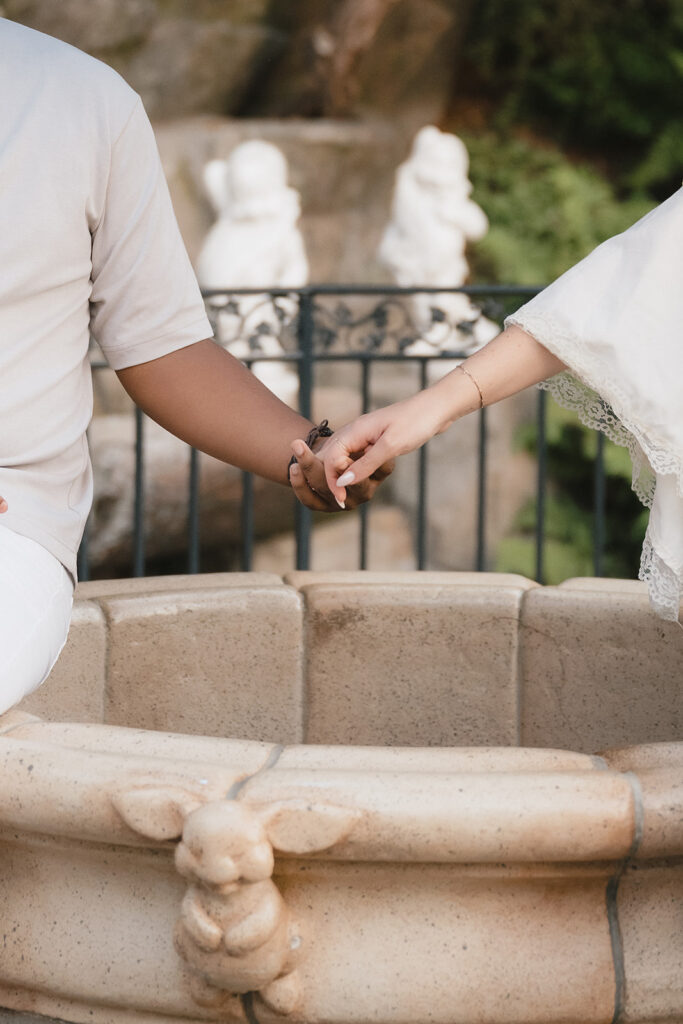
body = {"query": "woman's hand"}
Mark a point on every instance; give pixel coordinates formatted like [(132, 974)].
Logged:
[(309, 483), (361, 452), (3, 505)]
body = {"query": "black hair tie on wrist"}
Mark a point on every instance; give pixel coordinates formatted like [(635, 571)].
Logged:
[(322, 430)]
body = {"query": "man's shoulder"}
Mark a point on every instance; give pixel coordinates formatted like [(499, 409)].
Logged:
[(70, 69)]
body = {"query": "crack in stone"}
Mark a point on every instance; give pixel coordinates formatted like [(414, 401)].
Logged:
[(270, 762), (247, 1001), (611, 895)]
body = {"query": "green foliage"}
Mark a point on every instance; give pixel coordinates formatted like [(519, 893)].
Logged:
[(562, 560), (569, 514), (604, 76), (545, 212)]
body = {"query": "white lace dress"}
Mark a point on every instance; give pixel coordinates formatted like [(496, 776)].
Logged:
[(616, 320)]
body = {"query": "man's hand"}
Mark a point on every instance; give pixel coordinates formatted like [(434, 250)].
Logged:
[(3, 505), (307, 477)]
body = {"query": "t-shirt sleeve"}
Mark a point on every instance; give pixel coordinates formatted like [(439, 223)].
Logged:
[(145, 301)]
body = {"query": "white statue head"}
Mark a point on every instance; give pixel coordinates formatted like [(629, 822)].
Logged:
[(440, 159), (251, 184)]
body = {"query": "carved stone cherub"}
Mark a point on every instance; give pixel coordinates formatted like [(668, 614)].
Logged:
[(432, 219), (234, 927), (255, 243), (235, 931)]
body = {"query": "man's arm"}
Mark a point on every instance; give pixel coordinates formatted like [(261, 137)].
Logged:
[(145, 298), (206, 397)]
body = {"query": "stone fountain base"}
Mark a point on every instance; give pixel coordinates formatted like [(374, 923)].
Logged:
[(153, 876)]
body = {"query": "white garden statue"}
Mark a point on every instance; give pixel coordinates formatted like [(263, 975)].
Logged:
[(432, 220), (255, 243)]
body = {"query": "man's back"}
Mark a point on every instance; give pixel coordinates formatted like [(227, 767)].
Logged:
[(88, 242), (61, 110)]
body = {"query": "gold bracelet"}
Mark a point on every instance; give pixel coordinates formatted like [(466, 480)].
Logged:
[(465, 370)]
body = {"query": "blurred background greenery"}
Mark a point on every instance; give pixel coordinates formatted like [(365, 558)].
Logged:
[(572, 109)]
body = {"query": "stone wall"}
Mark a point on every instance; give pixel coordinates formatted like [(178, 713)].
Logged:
[(212, 73), (181, 57), (397, 659), (159, 876), (269, 57)]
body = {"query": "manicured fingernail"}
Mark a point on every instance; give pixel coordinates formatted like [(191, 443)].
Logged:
[(298, 448), (346, 478), (340, 503)]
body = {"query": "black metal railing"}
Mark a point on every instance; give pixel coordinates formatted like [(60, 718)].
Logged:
[(318, 325)]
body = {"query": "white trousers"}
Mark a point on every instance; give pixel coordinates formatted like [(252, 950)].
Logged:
[(36, 595)]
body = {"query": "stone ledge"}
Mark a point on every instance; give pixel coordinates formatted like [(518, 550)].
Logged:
[(145, 585), (496, 863), (304, 580), (582, 666), (17, 1017)]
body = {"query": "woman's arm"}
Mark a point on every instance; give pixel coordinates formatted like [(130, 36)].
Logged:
[(511, 362)]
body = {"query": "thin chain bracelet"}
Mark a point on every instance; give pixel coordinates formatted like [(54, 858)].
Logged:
[(466, 371)]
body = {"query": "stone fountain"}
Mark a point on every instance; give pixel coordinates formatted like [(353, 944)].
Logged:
[(412, 826)]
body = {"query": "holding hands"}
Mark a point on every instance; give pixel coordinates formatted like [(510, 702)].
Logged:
[(360, 455), (311, 479), (350, 464)]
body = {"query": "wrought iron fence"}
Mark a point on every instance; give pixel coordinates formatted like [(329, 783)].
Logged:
[(306, 328)]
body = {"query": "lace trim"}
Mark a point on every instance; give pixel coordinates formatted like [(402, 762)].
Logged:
[(648, 456), (665, 586), (593, 411)]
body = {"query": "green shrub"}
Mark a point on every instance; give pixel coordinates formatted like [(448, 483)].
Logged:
[(605, 77), (569, 511), (545, 212)]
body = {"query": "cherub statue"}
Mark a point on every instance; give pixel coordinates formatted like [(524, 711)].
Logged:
[(254, 243), (432, 220), (235, 931)]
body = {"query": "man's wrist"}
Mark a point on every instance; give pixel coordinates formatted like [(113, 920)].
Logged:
[(316, 437)]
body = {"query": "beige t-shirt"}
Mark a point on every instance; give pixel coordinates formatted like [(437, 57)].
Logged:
[(88, 243)]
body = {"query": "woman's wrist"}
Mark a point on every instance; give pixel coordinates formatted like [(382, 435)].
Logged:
[(453, 397)]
